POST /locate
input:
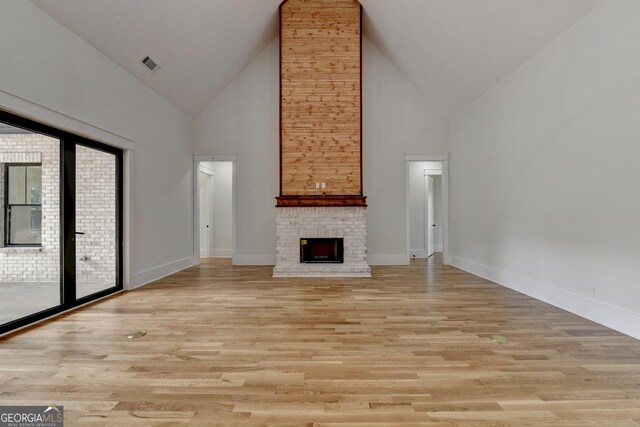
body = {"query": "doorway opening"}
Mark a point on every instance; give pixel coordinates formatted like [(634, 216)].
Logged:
[(215, 213), (427, 207)]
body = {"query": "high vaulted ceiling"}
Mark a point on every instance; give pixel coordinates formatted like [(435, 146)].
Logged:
[(200, 45), (452, 50), (455, 50)]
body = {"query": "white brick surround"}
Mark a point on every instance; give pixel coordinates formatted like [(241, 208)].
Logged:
[(293, 224)]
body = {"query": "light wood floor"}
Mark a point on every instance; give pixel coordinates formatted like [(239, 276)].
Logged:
[(412, 346)]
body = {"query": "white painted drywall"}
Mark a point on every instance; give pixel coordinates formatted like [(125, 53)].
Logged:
[(46, 68), (545, 173), (243, 120), (397, 119), (221, 234), (417, 206)]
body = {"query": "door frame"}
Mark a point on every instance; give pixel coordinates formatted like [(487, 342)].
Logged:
[(444, 159), (210, 185), (67, 227), (428, 225), (197, 159)]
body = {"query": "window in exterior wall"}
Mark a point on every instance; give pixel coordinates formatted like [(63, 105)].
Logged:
[(23, 204)]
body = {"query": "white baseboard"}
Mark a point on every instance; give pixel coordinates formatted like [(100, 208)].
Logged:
[(217, 253), (611, 316), (271, 260), (221, 253), (388, 260), (418, 253), (254, 260), (147, 276)]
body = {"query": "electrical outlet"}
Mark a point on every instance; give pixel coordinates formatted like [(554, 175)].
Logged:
[(324, 185), (317, 185)]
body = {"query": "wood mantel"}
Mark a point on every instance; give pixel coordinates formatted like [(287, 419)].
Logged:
[(315, 201), (320, 102)]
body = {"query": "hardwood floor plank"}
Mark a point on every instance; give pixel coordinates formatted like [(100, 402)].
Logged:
[(413, 346)]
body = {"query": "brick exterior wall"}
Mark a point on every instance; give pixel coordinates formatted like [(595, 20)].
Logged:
[(349, 223), (33, 264), (95, 215)]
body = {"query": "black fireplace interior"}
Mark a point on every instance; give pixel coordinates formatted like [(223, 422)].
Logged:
[(322, 251)]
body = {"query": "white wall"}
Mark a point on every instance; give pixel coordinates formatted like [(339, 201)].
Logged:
[(50, 74), (397, 119), (243, 120), (221, 234), (545, 173), (417, 207)]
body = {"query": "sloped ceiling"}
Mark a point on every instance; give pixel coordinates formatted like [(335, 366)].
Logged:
[(455, 50), (452, 50), (200, 45)]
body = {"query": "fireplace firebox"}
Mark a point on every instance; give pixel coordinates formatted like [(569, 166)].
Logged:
[(326, 251)]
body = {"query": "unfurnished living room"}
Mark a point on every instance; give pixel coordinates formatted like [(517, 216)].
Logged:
[(320, 213)]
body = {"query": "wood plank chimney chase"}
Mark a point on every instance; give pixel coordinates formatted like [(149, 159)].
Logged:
[(321, 197), (320, 103)]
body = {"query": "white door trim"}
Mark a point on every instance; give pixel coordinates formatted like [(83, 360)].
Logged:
[(429, 249), (196, 200), (209, 174), (127, 164), (444, 158), (215, 158)]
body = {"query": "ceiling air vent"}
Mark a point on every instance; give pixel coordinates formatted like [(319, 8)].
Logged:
[(150, 64)]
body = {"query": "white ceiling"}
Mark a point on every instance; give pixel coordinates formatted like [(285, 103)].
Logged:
[(455, 50), (200, 45), (452, 50)]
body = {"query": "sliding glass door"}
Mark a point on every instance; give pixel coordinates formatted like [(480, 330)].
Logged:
[(30, 216), (61, 215)]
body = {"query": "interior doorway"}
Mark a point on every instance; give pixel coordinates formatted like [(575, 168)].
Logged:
[(214, 230), (427, 207)]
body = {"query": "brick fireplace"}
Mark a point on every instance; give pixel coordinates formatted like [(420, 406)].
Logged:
[(321, 194)]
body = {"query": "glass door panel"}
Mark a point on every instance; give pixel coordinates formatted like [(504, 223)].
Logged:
[(30, 223), (96, 221)]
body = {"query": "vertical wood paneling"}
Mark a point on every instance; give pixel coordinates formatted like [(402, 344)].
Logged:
[(320, 97)]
